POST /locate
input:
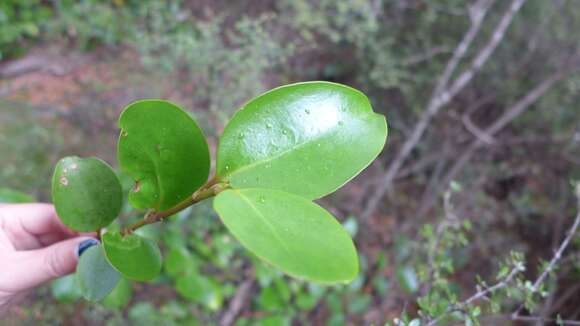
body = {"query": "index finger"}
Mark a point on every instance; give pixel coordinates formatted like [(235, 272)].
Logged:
[(36, 218)]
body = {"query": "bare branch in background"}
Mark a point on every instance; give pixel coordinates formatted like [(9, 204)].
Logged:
[(557, 256), (511, 113), (418, 58), (450, 219), (476, 131), (479, 295), (511, 276), (444, 93), (238, 302)]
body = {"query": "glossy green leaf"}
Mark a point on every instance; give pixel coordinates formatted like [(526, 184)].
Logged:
[(86, 193), (307, 138), (120, 296), (165, 152), (291, 233), (96, 277), (135, 257), (13, 196)]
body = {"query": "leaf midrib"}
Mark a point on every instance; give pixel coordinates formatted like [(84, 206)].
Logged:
[(282, 153), (265, 221)]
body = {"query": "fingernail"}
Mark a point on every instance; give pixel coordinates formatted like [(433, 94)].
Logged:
[(83, 246)]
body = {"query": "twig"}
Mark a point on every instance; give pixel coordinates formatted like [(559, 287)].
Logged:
[(210, 189), (557, 256), (476, 131), (500, 285), (443, 93), (237, 304), (511, 113), (450, 218), (514, 272), (415, 59), (479, 295)]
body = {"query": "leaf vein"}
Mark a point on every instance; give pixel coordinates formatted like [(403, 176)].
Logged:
[(268, 224)]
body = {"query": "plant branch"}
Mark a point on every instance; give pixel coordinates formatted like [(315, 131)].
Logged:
[(445, 91), (450, 219), (479, 295), (238, 302), (208, 190), (557, 256), (510, 114)]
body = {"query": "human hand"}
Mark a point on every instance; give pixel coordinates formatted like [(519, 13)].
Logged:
[(35, 247)]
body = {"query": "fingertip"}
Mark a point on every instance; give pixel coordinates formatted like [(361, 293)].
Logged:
[(38, 266)]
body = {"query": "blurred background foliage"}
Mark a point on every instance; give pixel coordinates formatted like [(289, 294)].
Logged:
[(68, 67)]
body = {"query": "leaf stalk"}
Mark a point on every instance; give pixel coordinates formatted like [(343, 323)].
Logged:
[(208, 190)]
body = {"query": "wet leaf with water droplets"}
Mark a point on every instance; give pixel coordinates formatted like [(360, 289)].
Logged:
[(164, 151), (289, 232), (317, 124), (86, 193)]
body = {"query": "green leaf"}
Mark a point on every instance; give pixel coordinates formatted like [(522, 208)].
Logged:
[(359, 303), (276, 297), (164, 151), (96, 277), (136, 258), (86, 193), (200, 289), (13, 196), (191, 287), (407, 278), (179, 262), (120, 296), (307, 138), (144, 313), (270, 300), (291, 233), (65, 289), (305, 301)]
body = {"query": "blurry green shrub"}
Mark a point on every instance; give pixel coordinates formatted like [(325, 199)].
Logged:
[(227, 65), (90, 23), (20, 20)]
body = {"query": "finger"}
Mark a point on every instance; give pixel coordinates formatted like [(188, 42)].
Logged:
[(24, 224), (37, 218), (29, 269), (50, 238)]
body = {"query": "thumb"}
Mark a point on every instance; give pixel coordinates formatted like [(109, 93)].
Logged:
[(42, 265)]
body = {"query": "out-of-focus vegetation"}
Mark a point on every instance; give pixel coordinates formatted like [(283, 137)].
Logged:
[(430, 245)]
